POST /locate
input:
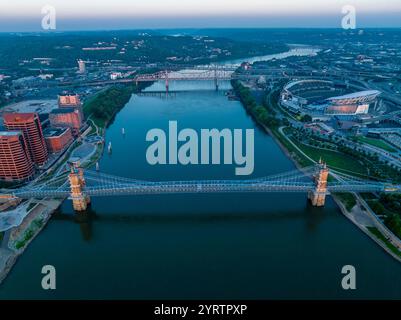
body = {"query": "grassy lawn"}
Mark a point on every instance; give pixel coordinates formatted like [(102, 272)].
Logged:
[(334, 159), (300, 158), (368, 196), (347, 199), (27, 236), (29, 233), (389, 245), (377, 143)]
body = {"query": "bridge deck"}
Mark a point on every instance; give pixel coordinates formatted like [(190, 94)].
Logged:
[(100, 184)]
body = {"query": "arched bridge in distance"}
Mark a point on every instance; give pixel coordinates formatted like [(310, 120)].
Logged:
[(80, 185)]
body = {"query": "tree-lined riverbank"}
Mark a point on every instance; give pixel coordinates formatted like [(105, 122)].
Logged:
[(350, 204), (103, 107)]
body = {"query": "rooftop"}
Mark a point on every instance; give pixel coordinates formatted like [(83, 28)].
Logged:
[(359, 94), (54, 132), (10, 133), (18, 117), (38, 106), (67, 94), (63, 110)]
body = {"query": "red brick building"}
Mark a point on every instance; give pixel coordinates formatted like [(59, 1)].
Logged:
[(57, 138), (15, 159), (66, 118), (70, 101), (29, 124)]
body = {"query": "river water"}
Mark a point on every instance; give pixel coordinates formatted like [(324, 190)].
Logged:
[(261, 246)]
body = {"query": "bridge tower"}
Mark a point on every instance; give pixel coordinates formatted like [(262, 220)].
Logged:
[(318, 195), (216, 83), (167, 83), (80, 201)]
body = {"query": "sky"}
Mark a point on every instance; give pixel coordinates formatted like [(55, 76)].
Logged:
[(26, 15)]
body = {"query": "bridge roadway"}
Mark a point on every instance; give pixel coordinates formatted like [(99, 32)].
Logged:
[(183, 77), (100, 184)]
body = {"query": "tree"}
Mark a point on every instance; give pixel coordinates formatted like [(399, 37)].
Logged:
[(306, 118), (393, 222)]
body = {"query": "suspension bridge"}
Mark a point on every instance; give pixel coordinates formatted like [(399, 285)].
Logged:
[(80, 185)]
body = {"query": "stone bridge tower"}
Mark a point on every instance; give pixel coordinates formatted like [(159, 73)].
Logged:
[(318, 195), (80, 201)]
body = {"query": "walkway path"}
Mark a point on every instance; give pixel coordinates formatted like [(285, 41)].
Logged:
[(362, 215)]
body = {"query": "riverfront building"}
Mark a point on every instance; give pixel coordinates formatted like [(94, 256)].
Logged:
[(66, 118), (57, 138), (71, 100), (29, 124), (15, 159), (68, 100)]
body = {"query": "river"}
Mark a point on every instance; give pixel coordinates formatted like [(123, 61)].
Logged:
[(260, 246)]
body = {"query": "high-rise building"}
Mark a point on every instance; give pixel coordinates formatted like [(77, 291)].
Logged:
[(31, 127), (81, 66), (66, 118), (15, 159)]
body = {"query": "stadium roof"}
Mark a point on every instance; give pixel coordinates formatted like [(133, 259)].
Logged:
[(297, 82), (356, 95)]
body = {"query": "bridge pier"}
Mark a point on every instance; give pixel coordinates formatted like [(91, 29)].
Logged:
[(318, 195), (216, 84), (79, 199), (167, 83)]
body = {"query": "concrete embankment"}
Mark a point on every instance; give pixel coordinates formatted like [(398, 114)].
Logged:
[(9, 253)]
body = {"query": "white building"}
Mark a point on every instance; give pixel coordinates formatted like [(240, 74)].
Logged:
[(81, 66)]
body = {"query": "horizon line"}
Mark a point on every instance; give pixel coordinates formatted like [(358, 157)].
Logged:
[(208, 28)]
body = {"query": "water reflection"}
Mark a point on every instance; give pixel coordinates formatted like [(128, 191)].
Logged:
[(88, 219), (314, 216), (83, 219)]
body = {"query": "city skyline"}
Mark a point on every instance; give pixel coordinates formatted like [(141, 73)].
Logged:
[(154, 14)]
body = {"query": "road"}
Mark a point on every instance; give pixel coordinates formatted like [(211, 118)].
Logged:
[(382, 154), (369, 212)]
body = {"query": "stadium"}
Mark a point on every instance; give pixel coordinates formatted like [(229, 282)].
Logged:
[(326, 98)]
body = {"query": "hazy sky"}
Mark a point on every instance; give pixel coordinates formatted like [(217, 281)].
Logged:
[(20, 15)]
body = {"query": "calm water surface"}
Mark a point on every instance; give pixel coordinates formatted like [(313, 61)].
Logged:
[(260, 246)]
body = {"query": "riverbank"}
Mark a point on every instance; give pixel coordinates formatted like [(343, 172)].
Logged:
[(16, 240), (366, 221), (104, 106)]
